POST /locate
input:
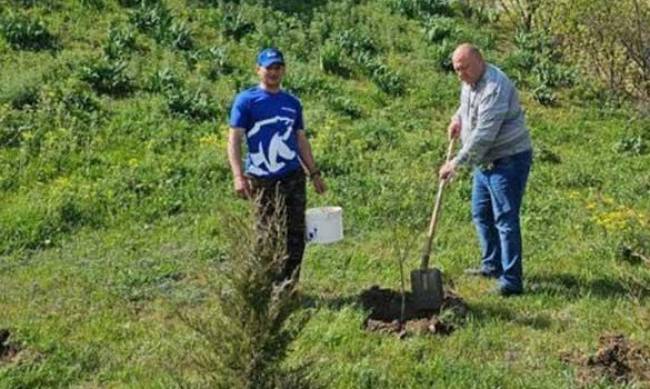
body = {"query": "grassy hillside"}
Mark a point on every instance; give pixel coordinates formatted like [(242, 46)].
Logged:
[(114, 187)]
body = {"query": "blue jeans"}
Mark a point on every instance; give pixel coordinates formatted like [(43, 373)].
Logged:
[(497, 194)]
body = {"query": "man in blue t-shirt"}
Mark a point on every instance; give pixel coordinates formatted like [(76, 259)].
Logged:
[(271, 121)]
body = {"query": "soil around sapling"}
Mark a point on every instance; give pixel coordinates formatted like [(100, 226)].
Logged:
[(385, 316), (617, 360), (8, 350)]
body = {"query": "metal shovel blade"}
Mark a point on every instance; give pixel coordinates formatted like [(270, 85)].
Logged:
[(427, 289)]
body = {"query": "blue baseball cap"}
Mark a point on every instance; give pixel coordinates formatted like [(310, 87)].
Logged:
[(268, 57)]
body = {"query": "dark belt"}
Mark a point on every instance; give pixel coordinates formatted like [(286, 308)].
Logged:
[(291, 176)]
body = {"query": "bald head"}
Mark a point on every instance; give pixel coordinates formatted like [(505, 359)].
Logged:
[(467, 49), (468, 63)]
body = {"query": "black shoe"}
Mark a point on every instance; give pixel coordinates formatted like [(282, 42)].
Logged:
[(505, 292), (478, 272)]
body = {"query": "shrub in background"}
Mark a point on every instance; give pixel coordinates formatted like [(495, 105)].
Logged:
[(219, 65), (446, 33), (153, 18), (389, 81), (234, 25), (14, 125), (345, 106), (192, 57), (632, 145), (180, 37), (537, 62), (358, 45), (545, 95), (523, 14), (302, 9), (481, 11), (62, 209), (442, 55), (181, 101), (609, 43), (438, 28), (119, 44), (356, 41), (376, 134), (24, 3), (135, 3), (633, 245), (96, 4), (146, 190), (21, 92), (195, 105), (32, 107), (303, 81), (536, 44), (24, 33), (332, 60), (418, 9), (107, 77), (164, 80), (156, 20), (72, 98)]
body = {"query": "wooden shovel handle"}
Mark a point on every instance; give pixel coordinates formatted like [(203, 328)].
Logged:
[(426, 253)]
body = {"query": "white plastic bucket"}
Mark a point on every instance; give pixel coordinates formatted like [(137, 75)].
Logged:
[(324, 224)]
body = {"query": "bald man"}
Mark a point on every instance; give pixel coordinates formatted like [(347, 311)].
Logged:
[(496, 144)]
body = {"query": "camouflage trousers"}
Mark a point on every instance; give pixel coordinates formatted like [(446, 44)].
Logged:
[(288, 192)]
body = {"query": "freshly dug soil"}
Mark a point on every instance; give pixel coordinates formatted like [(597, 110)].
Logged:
[(385, 305), (7, 350), (617, 359)]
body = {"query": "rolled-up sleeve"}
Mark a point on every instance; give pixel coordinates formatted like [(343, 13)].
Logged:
[(492, 110)]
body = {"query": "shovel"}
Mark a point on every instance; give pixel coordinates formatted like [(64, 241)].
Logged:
[(426, 282)]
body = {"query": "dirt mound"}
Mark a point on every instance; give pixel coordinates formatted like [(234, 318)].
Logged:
[(8, 350), (385, 307), (617, 359)]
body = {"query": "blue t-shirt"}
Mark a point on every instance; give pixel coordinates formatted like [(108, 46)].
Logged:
[(271, 121)]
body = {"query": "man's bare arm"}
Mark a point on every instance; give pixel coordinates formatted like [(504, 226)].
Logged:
[(240, 182)]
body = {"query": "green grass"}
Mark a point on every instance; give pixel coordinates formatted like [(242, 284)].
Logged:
[(112, 206)]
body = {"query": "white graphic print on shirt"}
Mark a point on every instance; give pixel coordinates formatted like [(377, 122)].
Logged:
[(263, 165)]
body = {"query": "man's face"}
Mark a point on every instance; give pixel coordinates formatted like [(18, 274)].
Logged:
[(468, 67), (271, 76)]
